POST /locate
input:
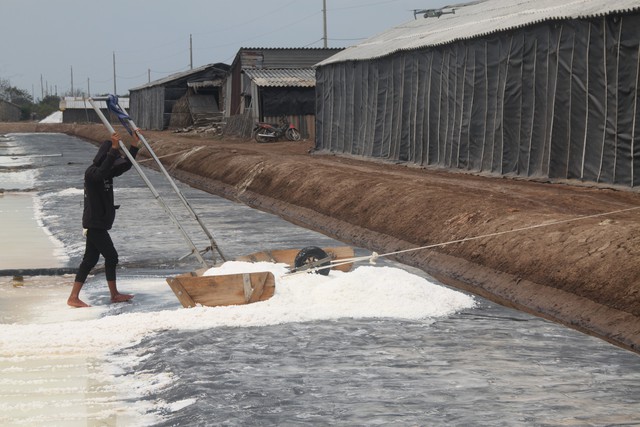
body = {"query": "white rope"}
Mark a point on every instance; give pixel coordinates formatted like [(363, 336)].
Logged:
[(167, 155), (374, 256)]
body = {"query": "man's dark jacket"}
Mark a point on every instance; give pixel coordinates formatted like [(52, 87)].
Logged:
[(99, 209)]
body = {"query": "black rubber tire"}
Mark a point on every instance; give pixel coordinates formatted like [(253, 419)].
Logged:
[(292, 134), (311, 254)]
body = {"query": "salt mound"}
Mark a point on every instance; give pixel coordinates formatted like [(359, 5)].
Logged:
[(55, 117)]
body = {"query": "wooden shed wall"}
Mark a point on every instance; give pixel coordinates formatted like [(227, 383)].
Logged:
[(146, 107), (9, 112)]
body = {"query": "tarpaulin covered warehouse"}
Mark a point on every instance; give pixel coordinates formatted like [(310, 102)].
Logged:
[(513, 87)]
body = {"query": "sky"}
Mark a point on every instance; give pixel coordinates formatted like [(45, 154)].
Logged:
[(49, 45)]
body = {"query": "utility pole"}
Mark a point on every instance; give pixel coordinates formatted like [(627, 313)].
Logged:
[(324, 22), (115, 92), (191, 51), (148, 75), (72, 93), (88, 88), (41, 87)]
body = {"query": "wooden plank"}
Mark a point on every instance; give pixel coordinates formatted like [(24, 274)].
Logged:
[(183, 296), (244, 288), (263, 287), (341, 252), (288, 256), (228, 289)]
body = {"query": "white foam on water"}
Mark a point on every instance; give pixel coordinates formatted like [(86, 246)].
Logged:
[(72, 196), (59, 250), (14, 161), (18, 180), (67, 192), (176, 406), (18, 136)]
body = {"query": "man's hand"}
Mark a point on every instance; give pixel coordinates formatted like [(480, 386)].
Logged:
[(136, 138), (115, 137)]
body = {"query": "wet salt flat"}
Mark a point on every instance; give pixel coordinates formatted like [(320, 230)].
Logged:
[(381, 345), (19, 224)]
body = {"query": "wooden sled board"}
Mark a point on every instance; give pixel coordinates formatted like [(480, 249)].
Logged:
[(227, 289), (244, 288), (288, 256)]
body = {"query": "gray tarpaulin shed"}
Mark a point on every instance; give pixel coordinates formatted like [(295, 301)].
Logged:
[(530, 88)]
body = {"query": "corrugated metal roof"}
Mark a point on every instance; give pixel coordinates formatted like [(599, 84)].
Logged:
[(476, 19), (289, 57), (222, 68), (70, 102), (279, 77)]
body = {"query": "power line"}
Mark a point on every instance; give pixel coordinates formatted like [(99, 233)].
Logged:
[(131, 77), (312, 43), (260, 17), (241, 42), (360, 6), (359, 38)]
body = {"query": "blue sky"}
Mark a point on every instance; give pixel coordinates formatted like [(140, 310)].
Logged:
[(50, 40)]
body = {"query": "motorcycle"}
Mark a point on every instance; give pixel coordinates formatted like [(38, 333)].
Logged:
[(270, 132)]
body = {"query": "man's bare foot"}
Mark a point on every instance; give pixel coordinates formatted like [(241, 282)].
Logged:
[(76, 302), (121, 298)]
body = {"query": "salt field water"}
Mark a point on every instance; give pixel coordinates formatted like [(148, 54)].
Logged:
[(384, 344)]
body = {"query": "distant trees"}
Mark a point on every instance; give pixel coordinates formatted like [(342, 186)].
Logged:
[(25, 101), (13, 94), (48, 105)]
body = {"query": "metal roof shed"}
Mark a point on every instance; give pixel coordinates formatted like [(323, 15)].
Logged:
[(280, 77), (79, 110), (238, 84), (152, 105), (512, 87), (284, 92)]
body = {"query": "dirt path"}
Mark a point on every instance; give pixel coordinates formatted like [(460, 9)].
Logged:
[(583, 273)]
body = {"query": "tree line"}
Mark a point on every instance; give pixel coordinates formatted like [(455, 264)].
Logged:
[(29, 109)]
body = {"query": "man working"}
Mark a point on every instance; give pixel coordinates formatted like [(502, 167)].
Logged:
[(98, 216)]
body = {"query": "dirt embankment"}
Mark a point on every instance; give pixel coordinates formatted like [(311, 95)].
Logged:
[(570, 259)]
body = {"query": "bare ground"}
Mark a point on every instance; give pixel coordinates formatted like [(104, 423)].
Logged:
[(556, 250)]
